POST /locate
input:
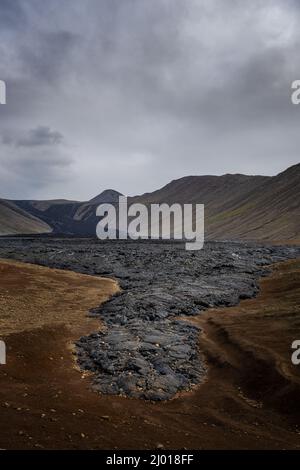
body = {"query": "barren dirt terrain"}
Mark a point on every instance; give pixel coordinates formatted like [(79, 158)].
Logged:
[(249, 400), (147, 349)]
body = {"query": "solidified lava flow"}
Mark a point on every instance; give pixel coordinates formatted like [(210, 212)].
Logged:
[(146, 350)]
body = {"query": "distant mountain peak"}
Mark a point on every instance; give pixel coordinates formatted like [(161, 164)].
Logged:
[(108, 195), (237, 207)]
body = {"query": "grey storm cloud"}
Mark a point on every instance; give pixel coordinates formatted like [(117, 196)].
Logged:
[(134, 93), (33, 159), (41, 136)]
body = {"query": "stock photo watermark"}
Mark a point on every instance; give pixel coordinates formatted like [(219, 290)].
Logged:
[(295, 97), (156, 221), (2, 353), (2, 92), (296, 354)]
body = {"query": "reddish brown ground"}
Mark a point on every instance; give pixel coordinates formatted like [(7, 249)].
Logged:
[(250, 400)]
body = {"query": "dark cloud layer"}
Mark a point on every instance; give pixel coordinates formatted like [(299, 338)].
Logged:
[(130, 94), (41, 136)]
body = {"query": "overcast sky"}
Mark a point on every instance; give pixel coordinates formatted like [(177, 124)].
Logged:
[(130, 94)]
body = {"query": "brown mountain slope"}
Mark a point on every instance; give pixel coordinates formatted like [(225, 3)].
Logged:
[(217, 191), (14, 220), (269, 212), (239, 206), (236, 207)]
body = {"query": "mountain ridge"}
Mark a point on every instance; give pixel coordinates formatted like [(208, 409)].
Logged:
[(14, 220), (237, 206)]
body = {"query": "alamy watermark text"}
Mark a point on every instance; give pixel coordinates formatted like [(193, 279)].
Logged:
[(154, 221), (2, 92), (2, 353), (296, 354), (295, 97)]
